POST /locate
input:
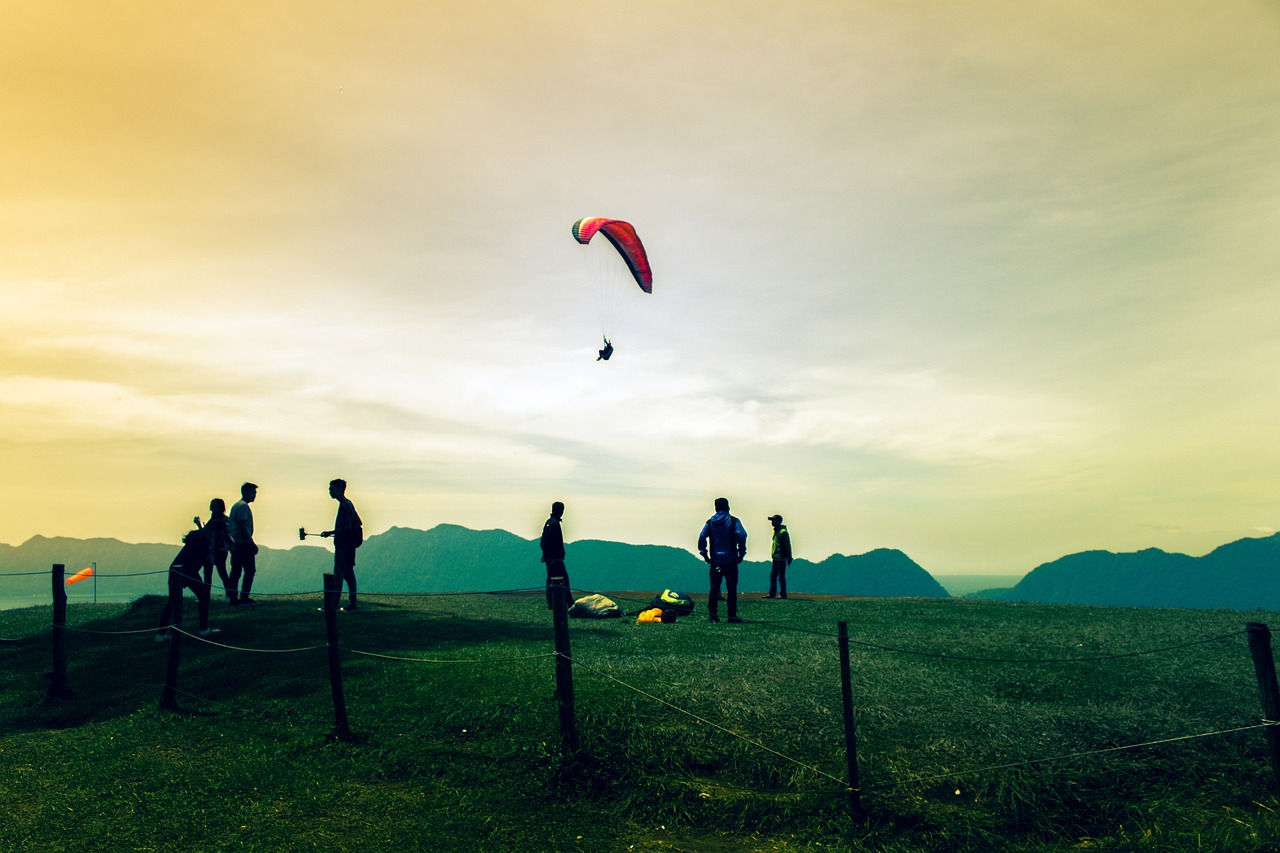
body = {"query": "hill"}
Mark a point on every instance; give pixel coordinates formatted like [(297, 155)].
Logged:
[(1241, 575)]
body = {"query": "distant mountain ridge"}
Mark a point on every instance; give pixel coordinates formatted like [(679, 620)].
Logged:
[(1241, 575), (450, 558)]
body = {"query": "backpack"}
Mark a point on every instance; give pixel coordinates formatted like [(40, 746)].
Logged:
[(680, 602), (722, 538)]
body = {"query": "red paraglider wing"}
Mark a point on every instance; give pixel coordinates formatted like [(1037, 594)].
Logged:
[(624, 238)]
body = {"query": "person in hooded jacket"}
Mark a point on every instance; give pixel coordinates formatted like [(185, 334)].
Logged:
[(723, 545)]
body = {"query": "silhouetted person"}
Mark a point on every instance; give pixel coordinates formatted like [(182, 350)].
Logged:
[(243, 550), (553, 550), (348, 535), (723, 544), (781, 554), (606, 352), (185, 570), (219, 546)]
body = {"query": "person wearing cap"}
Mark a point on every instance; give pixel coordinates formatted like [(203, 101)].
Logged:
[(552, 543), (723, 545), (243, 549), (781, 554)]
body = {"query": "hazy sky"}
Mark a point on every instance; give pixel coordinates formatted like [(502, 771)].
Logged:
[(985, 282)]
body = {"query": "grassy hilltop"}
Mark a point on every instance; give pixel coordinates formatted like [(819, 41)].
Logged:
[(981, 726)]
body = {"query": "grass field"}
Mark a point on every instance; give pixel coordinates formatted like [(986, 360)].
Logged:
[(981, 726)]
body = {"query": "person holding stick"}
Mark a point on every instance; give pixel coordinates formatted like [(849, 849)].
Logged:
[(348, 535)]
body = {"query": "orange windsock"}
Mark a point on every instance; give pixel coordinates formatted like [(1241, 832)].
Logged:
[(81, 575)]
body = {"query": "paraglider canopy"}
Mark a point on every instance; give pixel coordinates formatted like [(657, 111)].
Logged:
[(624, 238)]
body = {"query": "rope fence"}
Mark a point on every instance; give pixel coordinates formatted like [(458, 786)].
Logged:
[(978, 659), (1259, 641), (704, 721), (991, 768)]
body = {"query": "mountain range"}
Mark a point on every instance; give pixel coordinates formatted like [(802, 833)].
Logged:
[(1241, 575), (449, 558)]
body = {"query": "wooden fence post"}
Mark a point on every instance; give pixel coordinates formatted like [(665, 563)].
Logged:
[(1264, 666), (169, 700), (58, 678), (332, 593), (850, 733), (564, 664)]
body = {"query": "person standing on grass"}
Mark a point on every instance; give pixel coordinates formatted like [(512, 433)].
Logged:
[(348, 535), (552, 543), (243, 550), (185, 570), (219, 546), (781, 553), (723, 545)]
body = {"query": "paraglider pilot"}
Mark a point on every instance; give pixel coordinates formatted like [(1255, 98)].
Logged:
[(606, 352)]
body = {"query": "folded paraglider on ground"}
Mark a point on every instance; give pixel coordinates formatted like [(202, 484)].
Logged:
[(595, 607)]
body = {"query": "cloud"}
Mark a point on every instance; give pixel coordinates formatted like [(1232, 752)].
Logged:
[(972, 282)]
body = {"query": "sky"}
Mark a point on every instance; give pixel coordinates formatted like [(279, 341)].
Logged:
[(985, 283)]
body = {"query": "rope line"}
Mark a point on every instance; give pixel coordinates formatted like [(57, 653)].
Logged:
[(1116, 656), (1072, 755), (110, 633), (187, 633), (460, 660), (716, 726), (975, 659), (451, 593), (185, 693)]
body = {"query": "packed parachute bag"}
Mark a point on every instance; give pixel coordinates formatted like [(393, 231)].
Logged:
[(656, 616), (595, 607), (680, 603)]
